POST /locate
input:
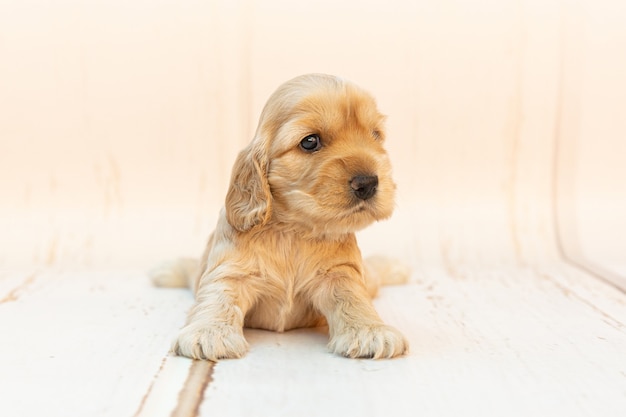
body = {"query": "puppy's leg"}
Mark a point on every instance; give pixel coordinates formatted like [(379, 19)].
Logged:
[(214, 328), (356, 330)]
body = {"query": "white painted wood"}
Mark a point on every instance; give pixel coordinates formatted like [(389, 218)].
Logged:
[(85, 343), (508, 341), (163, 395), (500, 342), (484, 342)]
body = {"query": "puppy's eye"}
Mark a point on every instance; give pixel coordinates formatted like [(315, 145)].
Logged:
[(376, 133), (311, 143)]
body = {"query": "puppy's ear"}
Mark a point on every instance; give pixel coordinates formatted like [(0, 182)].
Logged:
[(248, 201)]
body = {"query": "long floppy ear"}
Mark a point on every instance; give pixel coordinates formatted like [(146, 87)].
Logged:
[(248, 201)]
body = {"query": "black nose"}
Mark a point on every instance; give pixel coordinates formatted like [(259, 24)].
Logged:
[(364, 186)]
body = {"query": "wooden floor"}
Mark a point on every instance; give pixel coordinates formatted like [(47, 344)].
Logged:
[(540, 341)]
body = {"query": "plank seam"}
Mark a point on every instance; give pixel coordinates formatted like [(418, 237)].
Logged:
[(147, 394), (570, 293), (15, 293), (191, 395)]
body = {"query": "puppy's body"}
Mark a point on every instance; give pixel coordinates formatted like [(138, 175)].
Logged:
[(284, 254), (278, 272)]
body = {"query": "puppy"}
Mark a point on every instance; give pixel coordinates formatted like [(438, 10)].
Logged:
[(284, 254)]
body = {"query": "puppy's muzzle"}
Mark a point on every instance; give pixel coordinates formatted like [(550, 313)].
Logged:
[(364, 186)]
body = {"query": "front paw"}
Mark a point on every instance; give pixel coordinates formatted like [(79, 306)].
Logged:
[(369, 341), (210, 342)]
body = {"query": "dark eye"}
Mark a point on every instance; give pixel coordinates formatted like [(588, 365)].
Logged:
[(311, 143), (376, 133)]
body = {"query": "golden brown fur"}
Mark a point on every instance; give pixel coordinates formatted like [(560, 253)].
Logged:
[(284, 254)]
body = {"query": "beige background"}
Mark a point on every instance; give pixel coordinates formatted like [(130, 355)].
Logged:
[(119, 122)]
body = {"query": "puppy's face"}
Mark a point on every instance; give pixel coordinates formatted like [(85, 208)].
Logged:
[(316, 164), (328, 172)]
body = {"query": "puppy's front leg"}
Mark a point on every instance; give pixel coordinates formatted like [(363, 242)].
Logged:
[(356, 329), (214, 328)]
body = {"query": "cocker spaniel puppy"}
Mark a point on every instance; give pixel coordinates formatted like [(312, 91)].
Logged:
[(284, 254)]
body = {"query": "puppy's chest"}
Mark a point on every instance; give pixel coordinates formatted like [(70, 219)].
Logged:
[(285, 267), (285, 271)]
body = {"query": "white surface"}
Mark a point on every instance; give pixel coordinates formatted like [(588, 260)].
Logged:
[(87, 343), (483, 342)]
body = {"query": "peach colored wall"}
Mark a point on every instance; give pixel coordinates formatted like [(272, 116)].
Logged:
[(119, 121)]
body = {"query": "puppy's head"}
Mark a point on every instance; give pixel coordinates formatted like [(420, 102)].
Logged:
[(317, 162)]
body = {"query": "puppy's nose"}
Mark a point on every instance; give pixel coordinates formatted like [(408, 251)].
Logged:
[(364, 186)]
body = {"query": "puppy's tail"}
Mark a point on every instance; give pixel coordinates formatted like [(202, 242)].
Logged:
[(175, 274), (381, 270)]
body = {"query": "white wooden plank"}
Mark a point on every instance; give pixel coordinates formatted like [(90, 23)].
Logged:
[(85, 343), (598, 293), (163, 396), (488, 342), (494, 342)]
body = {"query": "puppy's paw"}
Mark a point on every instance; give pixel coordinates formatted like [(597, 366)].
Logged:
[(210, 342), (375, 342)]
